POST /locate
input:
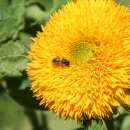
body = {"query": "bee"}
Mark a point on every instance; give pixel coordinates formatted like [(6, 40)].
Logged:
[(60, 62)]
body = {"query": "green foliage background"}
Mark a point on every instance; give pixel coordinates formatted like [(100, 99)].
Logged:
[(19, 21)]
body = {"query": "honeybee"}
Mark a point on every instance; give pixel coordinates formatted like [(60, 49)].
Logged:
[(60, 62)]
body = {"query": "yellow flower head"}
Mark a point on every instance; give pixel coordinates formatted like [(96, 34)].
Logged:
[(80, 62)]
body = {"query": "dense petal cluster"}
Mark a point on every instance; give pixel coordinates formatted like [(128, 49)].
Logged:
[(94, 36)]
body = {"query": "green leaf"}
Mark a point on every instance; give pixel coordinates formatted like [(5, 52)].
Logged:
[(13, 59), (25, 98), (40, 11), (4, 3), (11, 18), (46, 5), (19, 90), (122, 110), (96, 126), (126, 123), (25, 40), (56, 123), (12, 116), (36, 13), (59, 3)]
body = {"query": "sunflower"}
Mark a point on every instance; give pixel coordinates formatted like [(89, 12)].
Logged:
[(93, 38)]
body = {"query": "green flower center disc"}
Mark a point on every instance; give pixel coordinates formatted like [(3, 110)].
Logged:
[(82, 52)]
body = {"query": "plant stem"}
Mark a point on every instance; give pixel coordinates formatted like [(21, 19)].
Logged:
[(34, 120), (109, 124)]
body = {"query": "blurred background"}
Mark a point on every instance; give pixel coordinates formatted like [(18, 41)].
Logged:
[(19, 21)]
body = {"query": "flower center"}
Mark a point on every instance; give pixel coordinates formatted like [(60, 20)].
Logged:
[(82, 52)]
